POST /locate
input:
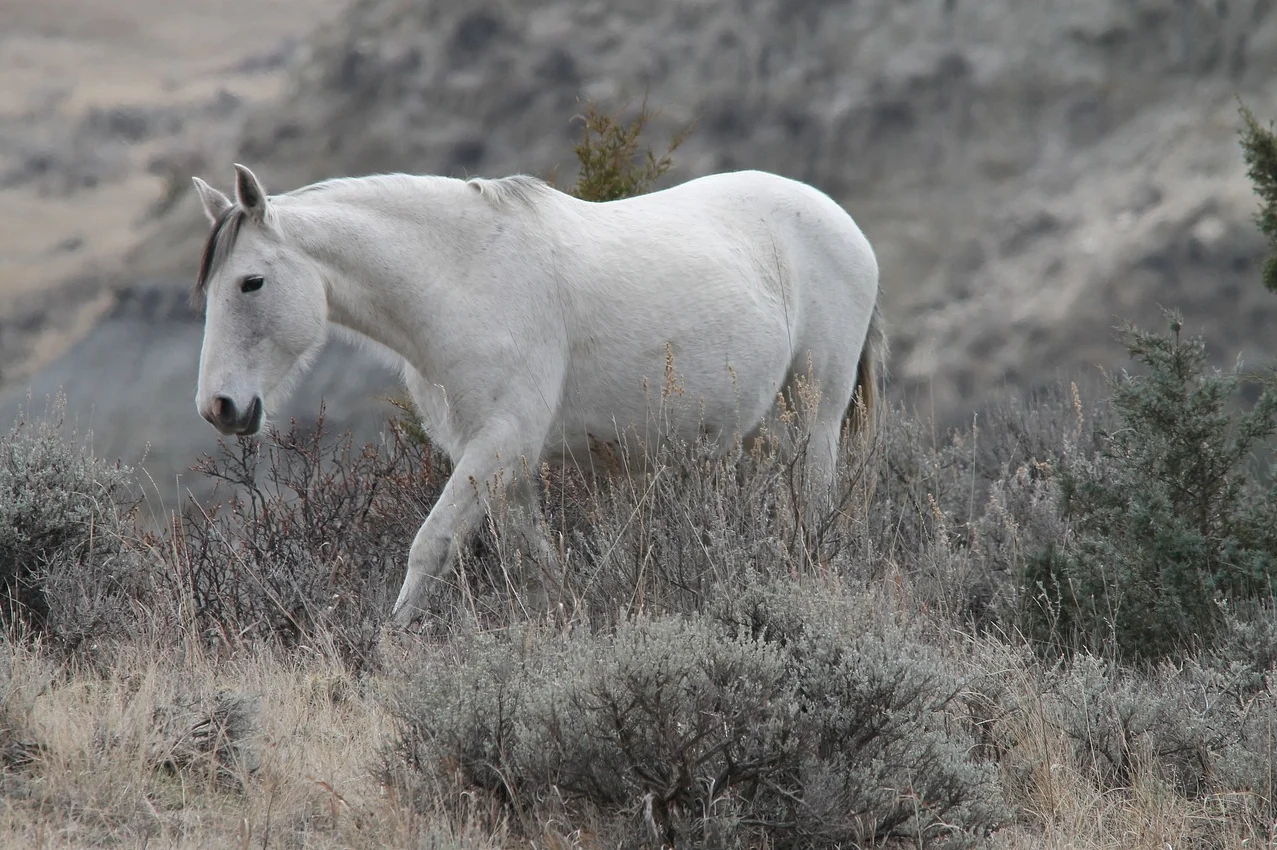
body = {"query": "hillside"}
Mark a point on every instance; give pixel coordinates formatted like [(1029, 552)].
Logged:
[(1028, 178)]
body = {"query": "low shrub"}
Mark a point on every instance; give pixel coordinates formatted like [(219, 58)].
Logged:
[(1200, 731), (956, 513), (68, 571), (780, 718)]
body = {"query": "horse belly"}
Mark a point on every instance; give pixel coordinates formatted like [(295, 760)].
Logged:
[(714, 373)]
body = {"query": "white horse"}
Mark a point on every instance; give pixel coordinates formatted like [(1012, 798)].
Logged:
[(528, 323)]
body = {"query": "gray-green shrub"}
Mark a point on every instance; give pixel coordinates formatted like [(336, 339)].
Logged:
[(1201, 730), (785, 717), (68, 571)]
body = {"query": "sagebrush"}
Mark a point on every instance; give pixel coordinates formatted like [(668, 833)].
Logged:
[(67, 570), (784, 718)]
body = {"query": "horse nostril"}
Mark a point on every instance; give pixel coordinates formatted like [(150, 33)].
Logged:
[(224, 409)]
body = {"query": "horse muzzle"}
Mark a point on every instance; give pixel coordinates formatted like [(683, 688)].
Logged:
[(224, 415)]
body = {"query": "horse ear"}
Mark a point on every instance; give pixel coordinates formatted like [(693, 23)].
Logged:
[(249, 194), (215, 203)]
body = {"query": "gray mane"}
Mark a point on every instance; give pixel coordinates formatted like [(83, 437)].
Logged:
[(218, 245), (520, 188), (502, 190), (516, 187)]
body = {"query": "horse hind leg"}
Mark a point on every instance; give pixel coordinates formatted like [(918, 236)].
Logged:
[(820, 467), (536, 557), (818, 410)]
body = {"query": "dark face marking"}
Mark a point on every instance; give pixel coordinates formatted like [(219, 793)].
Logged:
[(218, 245)]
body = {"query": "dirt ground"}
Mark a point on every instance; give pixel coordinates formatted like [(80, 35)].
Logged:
[(95, 93)]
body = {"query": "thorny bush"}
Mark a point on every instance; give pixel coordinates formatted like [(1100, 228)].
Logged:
[(309, 540)]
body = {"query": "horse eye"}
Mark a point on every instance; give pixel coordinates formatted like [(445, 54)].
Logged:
[(252, 283)]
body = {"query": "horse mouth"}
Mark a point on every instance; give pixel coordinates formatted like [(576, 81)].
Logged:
[(247, 425), (253, 422)]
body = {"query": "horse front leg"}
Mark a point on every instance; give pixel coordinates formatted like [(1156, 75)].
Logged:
[(492, 458)]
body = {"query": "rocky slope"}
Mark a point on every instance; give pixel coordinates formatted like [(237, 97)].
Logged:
[(1029, 176)]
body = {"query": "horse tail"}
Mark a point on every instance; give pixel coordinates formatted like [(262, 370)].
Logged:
[(864, 411)]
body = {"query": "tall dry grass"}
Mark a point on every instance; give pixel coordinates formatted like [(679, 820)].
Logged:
[(132, 754)]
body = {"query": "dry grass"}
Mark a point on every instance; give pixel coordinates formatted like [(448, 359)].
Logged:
[(1060, 806), (98, 777), (103, 776), (104, 773)]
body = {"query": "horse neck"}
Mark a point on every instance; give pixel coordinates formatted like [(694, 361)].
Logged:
[(382, 277)]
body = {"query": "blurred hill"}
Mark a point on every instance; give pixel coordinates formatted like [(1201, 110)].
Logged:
[(1029, 175)]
